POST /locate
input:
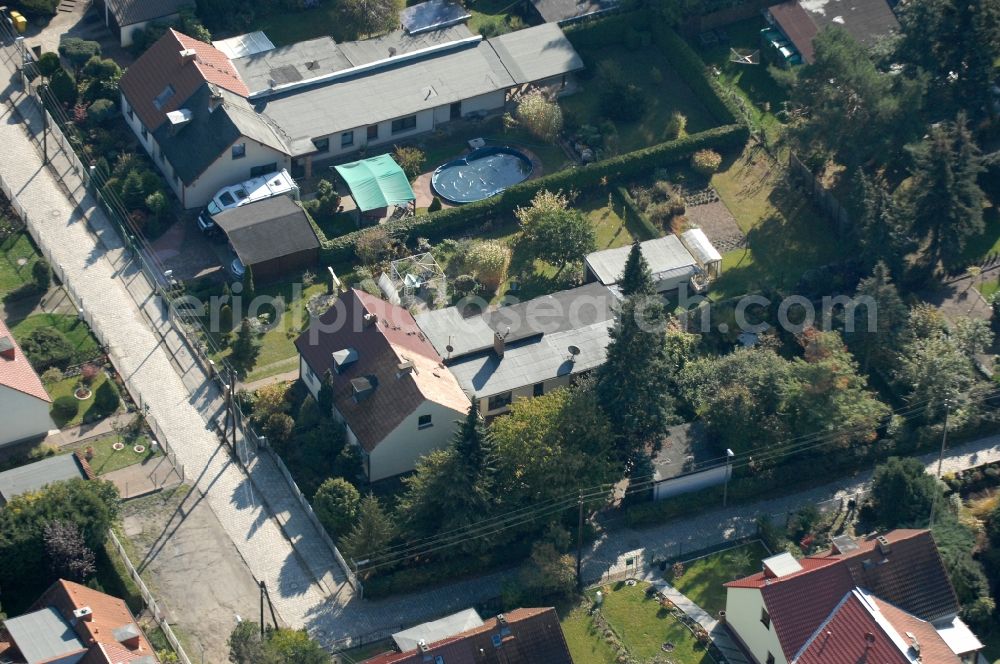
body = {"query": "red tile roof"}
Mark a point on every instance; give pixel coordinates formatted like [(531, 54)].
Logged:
[(911, 576), (15, 370), (389, 340), (851, 635), (162, 65), (109, 614), (529, 636), (932, 647)]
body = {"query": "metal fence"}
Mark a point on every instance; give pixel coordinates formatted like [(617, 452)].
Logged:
[(197, 341), (150, 602)]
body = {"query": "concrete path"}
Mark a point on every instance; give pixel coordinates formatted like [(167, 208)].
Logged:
[(286, 377), (143, 478), (71, 436), (720, 635)]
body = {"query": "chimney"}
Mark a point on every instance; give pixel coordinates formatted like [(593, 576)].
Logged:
[(188, 55), (883, 545), (370, 319), (6, 348), (500, 343), (214, 100), (405, 367), (363, 387), (422, 645), (83, 614)]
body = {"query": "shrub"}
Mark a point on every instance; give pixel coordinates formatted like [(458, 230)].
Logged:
[(88, 372), (327, 199), (706, 162), (336, 503), (65, 409), (46, 7), (373, 244), (52, 375), (78, 51), (410, 159), (63, 86), (101, 69), (435, 205), (101, 111), (48, 63), (464, 285), (677, 124), (489, 261), (106, 400), (47, 347), (41, 274), (540, 115)]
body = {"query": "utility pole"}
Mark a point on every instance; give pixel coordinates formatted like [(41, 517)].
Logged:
[(944, 435), (725, 487), (579, 543), (261, 586), (45, 125)]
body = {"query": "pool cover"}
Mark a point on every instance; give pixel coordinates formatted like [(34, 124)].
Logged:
[(480, 174)]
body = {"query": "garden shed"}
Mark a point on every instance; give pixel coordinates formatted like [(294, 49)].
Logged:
[(670, 263), (708, 257), (34, 476), (273, 237)]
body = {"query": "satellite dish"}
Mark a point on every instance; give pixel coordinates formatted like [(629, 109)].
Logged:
[(574, 351)]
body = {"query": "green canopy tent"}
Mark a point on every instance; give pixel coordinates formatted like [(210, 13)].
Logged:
[(376, 182)]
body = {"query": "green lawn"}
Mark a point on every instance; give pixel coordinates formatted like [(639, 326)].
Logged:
[(643, 625), (17, 256), (662, 99), (85, 411), (493, 17), (76, 331), (703, 578), (107, 459), (786, 234), (586, 645)]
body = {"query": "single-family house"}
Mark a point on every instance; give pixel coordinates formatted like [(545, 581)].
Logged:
[(882, 598), (272, 237), (795, 23), (390, 387), (208, 120), (521, 636), (24, 403), (73, 624), (674, 261), (127, 17), (35, 476), (523, 350)]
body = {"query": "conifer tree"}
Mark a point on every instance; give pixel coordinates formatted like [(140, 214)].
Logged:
[(636, 277)]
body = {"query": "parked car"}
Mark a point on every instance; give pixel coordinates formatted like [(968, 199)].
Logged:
[(237, 268), (255, 189)]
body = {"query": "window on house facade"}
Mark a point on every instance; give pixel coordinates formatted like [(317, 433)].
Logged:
[(322, 144), (347, 139), (239, 150), (498, 401), (424, 421), (770, 658), (404, 124), (372, 132), (538, 390), (131, 113), (257, 171), (765, 618), (143, 132), (161, 99)]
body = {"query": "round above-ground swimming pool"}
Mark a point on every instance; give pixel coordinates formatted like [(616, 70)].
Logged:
[(482, 173)]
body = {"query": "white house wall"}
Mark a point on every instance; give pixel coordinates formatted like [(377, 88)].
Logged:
[(523, 392), (24, 416), (491, 101), (226, 171), (399, 451), (129, 31), (743, 606)]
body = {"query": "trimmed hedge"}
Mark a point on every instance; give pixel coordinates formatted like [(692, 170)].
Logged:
[(632, 208), (455, 220)]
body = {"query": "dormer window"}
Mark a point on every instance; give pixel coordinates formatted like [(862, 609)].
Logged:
[(161, 99)]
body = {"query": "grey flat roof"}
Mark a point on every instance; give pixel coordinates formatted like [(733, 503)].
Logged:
[(559, 312), (432, 15), (565, 10), (533, 361), (536, 53), (667, 257), (429, 632), (35, 475), (43, 636)]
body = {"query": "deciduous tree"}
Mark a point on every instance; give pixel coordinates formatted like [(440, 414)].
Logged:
[(337, 503), (69, 556), (540, 115), (902, 493)]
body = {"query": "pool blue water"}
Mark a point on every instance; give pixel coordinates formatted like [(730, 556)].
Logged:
[(480, 174)]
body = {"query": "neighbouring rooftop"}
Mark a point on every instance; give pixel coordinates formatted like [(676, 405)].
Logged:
[(34, 476)]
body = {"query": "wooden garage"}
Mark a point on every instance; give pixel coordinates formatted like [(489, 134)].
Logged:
[(273, 237)]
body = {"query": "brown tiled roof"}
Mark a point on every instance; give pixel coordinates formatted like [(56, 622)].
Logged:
[(853, 634), (109, 614), (162, 65), (390, 339), (15, 370), (797, 25), (911, 576), (528, 636), (932, 647)]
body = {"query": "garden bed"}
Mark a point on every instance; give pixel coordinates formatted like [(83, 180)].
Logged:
[(106, 459), (76, 332), (93, 408)]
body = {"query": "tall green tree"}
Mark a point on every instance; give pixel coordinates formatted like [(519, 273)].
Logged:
[(636, 278), (882, 230), (337, 503), (630, 384), (958, 41), (879, 319), (943, 196), (245, 349), (554, 232), (372, 533), (902, 493)]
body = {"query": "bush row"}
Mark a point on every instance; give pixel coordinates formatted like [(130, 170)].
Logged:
[(632, 209), (607, 31), (624, 167)]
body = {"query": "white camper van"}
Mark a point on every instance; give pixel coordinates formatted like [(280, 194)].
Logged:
[(254, 189)]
